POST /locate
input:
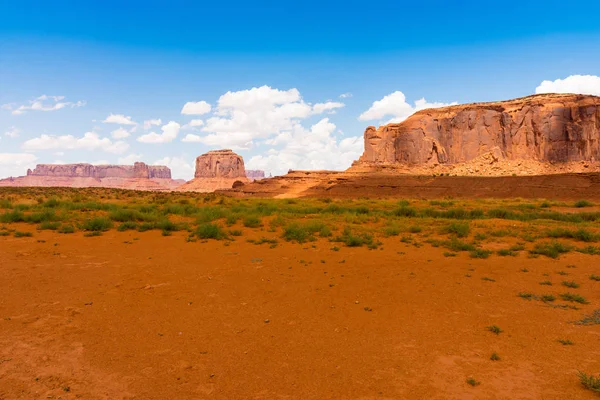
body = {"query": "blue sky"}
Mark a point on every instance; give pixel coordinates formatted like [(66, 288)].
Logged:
[(304, 78)]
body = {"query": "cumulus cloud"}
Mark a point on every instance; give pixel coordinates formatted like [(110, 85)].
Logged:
[(395, 105), (15, 164), (329, 106), (196, 108), (169, 133), (119, 119), (120, 133), (12, 132), (90, 141), (152, 122), (314, 148), (180, 168), (195, 123), (42, 103), (245, 116), (579, 84)]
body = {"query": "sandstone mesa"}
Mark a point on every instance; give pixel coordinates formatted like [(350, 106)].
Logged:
[(215, 170)]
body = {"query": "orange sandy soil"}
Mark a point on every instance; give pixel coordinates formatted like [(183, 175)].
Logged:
[(159, 318)]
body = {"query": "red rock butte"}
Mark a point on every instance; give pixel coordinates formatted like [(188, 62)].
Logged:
[(215, 170), (546, 128)]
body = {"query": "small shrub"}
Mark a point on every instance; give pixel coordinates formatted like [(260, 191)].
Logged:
[(592, 319), (480, 253), (49, 225), (547, 283), (252, 221), (574, 298), (550, 249), (495, 357), (571, 284), (19, 234), (495, 329), (210, 231), (126, 226), (595, 277), (526, 296), (415, 229), (98, 224), (461, 230), (565, 342), (548, 298), (66, 229), (92, 233), (589, 381), (235, 232), (506, 252), (583, 203), (473, 382)]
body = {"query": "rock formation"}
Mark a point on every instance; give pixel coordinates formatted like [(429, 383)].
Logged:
[(536, 131), (255, 174), (217, 169), (138, 176), (138, 170)]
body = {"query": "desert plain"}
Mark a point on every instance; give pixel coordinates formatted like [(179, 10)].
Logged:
[(120, 294)]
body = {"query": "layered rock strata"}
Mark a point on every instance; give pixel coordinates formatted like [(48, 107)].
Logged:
[(215, 170)]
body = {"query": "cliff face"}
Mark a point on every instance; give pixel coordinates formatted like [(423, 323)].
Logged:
[(552, 128), (215, 170), (138, 170), (220, 164)]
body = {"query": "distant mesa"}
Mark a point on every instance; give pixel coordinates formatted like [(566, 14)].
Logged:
[(217, 170), (255, 174), (138, 176)]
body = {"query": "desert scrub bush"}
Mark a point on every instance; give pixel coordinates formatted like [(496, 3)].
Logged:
[(495, 357), (571, 284), (506, 252), (591, 250), (405, 211), (548, 283), (235, 232), (526, 296), (473, 382), (5, 203), (574, 298), (12, 216), (591, 319), (548, 298), (209, 214), (480, 253), (252, 221), (494, 329), (127, 226), (49, 225), (581, 234), (354, 240), (166, 225), (565, 342), (51, 203), (19, 234), (298, 233), (550, 249), (98, 224), (66, 229), (391, 230), (589, 381), (595, 278), (210, 231), (37, 217), (459, 229), (415, 229), (127, 215), (583, 203)]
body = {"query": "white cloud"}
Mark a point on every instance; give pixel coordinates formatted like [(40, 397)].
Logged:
[(196, 108), (169, 133), (312, 149), (90, 141), (119, 119), (12, 132), (150, 122), (130, 159), (245, 116), (42, 103), (395, 105), (120, 133), (579, 84), (180, 169), (330, 106), (195, 123), (15, 164), (345, 95)]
